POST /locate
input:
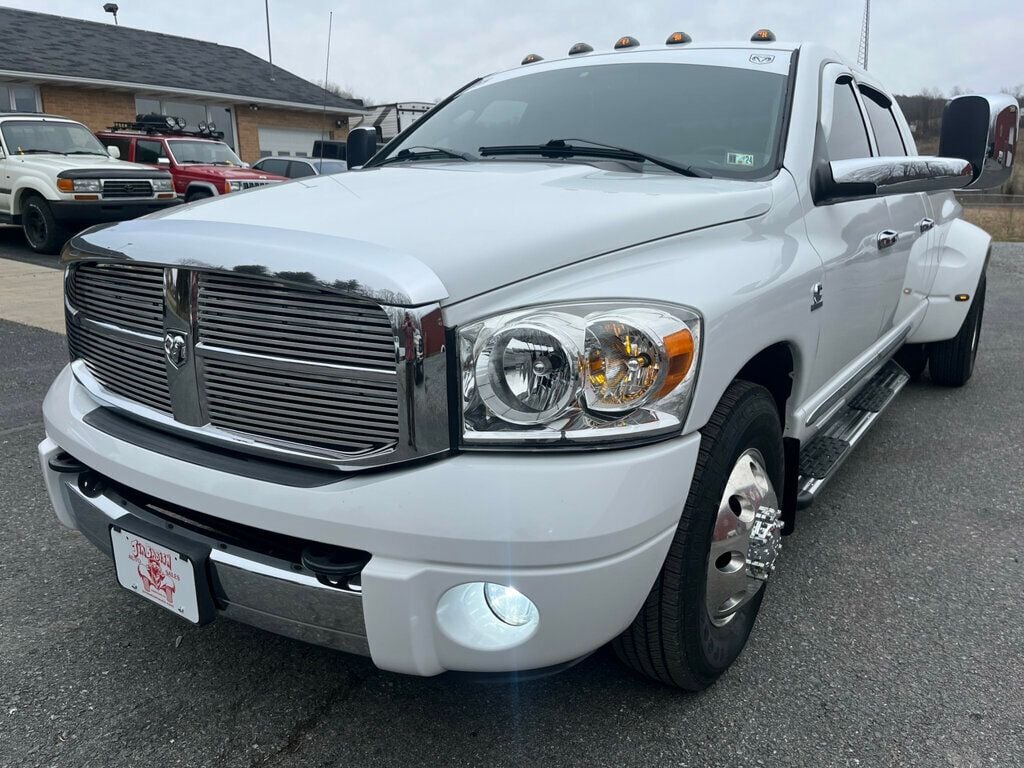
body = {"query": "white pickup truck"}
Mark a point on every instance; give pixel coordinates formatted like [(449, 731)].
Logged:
[(557, 367), (56, 179)]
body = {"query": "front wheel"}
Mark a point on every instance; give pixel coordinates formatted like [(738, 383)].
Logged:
[(42, 232), (702, 607), (951, 362)]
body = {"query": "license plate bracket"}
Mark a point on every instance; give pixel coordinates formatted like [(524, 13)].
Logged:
[(164, 568)]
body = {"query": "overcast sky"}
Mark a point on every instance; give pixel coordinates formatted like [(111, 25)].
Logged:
[(393, 50)]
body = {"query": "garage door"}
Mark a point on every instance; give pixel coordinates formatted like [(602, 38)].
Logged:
[(287, 142)]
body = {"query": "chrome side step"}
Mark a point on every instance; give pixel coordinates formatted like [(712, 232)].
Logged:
[(822, 456)]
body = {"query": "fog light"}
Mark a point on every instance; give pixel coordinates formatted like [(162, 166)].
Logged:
[(510, 605)]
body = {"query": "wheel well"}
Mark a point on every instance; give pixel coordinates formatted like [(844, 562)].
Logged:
[(772, 368), (23, 195)]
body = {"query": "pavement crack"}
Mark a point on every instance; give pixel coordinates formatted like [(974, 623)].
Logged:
[(301, 730)]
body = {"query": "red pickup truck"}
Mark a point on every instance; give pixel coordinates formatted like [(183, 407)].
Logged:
[(201, 164)]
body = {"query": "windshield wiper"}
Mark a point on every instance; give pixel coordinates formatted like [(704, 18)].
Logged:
[(407, 155), (40, 152), (86, 152), (574, 148)]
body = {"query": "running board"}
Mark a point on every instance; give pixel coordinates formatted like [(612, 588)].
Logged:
[(821, 457)]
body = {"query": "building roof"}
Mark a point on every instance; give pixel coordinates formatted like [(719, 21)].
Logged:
[(58, 48)]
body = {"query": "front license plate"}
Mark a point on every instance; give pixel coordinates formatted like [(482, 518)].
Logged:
[(159, 574)]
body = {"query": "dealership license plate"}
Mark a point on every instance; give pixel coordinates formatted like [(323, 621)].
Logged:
[(159, 574)]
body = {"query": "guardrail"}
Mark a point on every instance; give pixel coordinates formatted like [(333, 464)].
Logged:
[(989, 200)]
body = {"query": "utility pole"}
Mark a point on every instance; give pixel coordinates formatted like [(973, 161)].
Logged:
[(270, 52), (865, 34)]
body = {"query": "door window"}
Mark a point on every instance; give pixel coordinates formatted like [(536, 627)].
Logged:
[(883, 123), (847, 136), (149, 151)]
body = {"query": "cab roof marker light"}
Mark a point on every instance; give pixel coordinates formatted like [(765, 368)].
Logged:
[(579, 48), (532, 58), (626, 42), (763, 36), (678, 38)]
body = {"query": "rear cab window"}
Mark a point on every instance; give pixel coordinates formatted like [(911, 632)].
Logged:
[(883, 123)]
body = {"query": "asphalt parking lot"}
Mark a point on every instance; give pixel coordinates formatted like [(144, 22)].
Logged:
[(893, 633)]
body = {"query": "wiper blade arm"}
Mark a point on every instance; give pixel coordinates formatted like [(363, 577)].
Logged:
[(565, 148), (425, 153)]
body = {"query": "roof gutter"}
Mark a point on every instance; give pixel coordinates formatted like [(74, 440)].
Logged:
[(150, 88)]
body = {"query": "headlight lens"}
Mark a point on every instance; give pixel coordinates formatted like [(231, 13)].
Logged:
[(578, 372), (163, 185), (88, 185)]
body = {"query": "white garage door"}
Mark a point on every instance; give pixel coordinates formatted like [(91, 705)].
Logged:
[(287, 142)]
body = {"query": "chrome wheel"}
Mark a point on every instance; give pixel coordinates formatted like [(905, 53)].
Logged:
[(745, 540)]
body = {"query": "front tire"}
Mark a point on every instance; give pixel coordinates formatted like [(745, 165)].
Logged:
[(42, 232), (951, 362), (700, 612)]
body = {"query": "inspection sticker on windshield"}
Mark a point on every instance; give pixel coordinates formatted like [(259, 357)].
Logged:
[(738, 158)]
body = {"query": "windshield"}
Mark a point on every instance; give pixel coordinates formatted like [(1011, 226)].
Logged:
[(723, 120), (24, 137), (205, 152)]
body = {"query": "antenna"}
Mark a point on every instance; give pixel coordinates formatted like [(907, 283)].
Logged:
[(270, 52), (865, 33), (327, 69)]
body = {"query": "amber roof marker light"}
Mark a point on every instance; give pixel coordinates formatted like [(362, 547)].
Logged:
[(763, 36), (532, 58), (626, 42), (579, 48), (678, 38)]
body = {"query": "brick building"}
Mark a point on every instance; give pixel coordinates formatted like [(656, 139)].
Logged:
[(97, 73)]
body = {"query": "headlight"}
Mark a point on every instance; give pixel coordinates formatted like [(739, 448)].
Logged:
[(232, 186), (578, 372), (163, 185), (88, 185)]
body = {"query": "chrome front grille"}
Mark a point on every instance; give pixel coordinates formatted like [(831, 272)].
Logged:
[(253, 184), (261, 318), (127, 188), (261, 364)]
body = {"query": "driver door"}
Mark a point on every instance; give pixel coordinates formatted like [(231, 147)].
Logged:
[(851, 237)]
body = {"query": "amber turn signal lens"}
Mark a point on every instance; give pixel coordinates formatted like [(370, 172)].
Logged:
[(962, 297), (679, 347), (65, 185)]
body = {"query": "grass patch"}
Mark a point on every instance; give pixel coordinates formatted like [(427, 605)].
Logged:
[(1002, 222)]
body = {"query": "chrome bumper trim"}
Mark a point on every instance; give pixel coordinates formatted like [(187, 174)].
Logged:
[(247, 587)]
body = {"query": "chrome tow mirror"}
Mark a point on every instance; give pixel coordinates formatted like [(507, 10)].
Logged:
[(983, 131), (875, 176)]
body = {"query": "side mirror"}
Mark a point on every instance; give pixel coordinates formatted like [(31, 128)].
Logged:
[(114, 152), (163, 161), (360, 146), (876, 176), (983, 131)]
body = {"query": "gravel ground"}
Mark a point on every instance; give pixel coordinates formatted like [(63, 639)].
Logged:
[(892, 634)]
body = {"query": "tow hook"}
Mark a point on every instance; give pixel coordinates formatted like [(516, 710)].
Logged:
[(765, 543)]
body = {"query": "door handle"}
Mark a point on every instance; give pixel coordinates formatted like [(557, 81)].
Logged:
[(887, 238), (925, 224)]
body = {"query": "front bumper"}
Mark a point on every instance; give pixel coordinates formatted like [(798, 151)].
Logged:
[(101, 211), (583, 535)]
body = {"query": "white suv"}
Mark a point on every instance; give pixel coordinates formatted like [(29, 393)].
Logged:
[(56, 178), (557, 367)]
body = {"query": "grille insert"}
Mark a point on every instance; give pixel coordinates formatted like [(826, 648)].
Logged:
[(348, 416), (265, 318), (124, 295), (127, 368), (127, 188)]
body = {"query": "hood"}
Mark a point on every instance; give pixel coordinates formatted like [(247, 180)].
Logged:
[(57, 163), (229, 172), (476, 226)]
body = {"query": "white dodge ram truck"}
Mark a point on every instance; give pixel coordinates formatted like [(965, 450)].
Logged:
[(56, 179), (556, 367)]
